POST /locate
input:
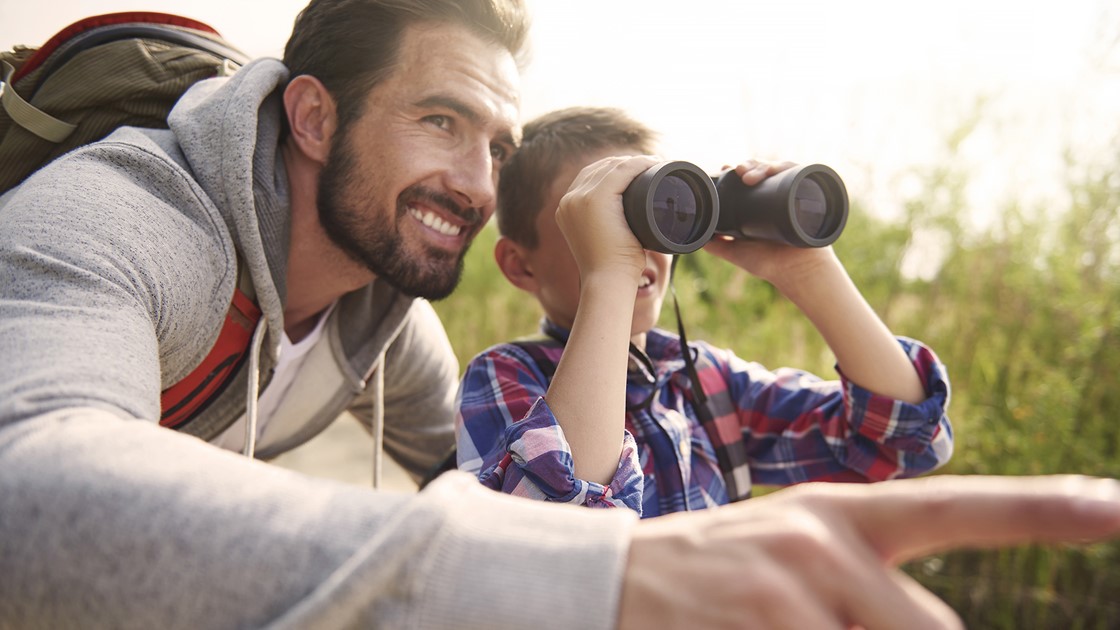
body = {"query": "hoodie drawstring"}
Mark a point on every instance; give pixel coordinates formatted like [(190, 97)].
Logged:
[(377, 421), (253, 388)]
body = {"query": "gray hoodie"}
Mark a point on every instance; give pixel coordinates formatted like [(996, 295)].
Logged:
[(117, 264)]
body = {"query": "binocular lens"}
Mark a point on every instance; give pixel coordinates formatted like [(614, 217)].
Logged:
[(810, 207), (672, 207), (674, 210)]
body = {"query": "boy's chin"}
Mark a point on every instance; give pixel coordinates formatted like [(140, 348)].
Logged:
[(641, 325)]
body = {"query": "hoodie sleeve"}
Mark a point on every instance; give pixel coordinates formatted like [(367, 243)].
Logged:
[(109, 521)]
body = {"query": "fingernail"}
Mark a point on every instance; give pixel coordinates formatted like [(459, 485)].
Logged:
[(1100, 498)]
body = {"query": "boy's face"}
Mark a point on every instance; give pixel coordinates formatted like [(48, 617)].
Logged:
[(555, 269)]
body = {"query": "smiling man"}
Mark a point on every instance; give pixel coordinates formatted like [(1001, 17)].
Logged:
[(307, 205)]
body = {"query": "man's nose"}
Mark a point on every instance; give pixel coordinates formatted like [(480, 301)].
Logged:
[(474, 178)]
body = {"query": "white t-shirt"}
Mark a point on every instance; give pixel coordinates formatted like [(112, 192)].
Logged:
[(287, 366)]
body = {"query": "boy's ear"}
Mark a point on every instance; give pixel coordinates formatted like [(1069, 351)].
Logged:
[(515, 265), (312, 116)]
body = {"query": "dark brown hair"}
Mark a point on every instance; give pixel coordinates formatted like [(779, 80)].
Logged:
[(548, 143), (352, 45)]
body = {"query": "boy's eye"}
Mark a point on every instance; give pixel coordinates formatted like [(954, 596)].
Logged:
[(498, 152)]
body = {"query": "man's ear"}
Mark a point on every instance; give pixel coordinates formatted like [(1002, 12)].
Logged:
[(312, 117), (512, 259)]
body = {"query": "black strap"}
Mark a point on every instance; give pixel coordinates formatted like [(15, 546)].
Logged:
[(699, 398), (728, 462)]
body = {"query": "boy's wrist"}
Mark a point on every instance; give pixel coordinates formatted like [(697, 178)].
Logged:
[(611, 279), (807, 273)]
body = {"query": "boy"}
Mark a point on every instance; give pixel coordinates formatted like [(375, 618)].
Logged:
[(619, 423)]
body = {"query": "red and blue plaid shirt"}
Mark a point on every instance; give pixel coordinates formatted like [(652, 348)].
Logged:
[(787, 425)]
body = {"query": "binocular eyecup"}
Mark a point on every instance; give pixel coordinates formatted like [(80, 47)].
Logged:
[(675, 207)]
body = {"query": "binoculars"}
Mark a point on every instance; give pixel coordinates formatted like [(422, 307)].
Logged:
[(675, 207)]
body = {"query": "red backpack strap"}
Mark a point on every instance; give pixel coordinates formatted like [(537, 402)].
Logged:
[(184, 399)]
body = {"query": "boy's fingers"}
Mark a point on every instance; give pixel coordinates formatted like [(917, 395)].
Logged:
[(622, 168), (753, 171), (909, 519)]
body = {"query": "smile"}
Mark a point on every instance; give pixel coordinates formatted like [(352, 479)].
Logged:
[(429, 219)]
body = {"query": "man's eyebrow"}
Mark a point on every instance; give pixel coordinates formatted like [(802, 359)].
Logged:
[(453, 104), (510, 137)]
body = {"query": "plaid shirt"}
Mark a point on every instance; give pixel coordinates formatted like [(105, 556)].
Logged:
[(787, 426)]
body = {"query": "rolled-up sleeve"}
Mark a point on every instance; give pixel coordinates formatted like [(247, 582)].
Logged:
[(921, 433), (509, 438), (798, 427)]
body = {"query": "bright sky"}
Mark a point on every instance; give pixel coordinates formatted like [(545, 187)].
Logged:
[(869, 87)]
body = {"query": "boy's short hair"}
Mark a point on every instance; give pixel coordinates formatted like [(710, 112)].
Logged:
[(548, 143)]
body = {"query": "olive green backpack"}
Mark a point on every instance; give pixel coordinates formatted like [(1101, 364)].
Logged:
[(98, 74), (105, 72)]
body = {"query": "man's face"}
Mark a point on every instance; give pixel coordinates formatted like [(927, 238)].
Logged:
[(410, 182)]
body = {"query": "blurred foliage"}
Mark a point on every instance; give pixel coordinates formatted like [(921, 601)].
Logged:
[(1024, 313)]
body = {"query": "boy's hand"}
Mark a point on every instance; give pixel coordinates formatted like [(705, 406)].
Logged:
[(591, 217), (776, 263), (815, 281)]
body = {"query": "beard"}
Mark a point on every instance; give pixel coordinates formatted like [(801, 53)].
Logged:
[(432, 273)]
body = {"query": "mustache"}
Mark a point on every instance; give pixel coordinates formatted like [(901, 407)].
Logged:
[(472, 216)]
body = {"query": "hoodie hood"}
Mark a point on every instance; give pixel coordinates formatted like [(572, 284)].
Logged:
[(228, 129)]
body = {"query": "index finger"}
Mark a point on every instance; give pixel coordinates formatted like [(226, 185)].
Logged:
[(754, 171), (903, 520), (621, 169)]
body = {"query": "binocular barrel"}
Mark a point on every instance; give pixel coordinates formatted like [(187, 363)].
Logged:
[(675, 207)]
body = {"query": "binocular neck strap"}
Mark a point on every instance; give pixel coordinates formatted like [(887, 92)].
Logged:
[(700, 399)]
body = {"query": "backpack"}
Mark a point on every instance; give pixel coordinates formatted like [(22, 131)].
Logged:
[(105, 72), (98, 74)]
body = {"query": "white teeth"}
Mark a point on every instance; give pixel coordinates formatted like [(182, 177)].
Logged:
[(431, 220)]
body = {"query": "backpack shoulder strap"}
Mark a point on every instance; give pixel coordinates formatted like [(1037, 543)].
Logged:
[(27, 115), (184, 400), (187, 398)]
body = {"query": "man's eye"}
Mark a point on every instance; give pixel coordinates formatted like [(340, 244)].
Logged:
[(439, 120), (498, 152)]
